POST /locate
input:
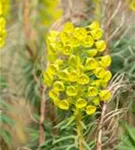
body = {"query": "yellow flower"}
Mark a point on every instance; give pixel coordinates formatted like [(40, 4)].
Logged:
[(67, 50), (5, 6), (59, 62), (71, 91), (96, 101), (63, 74), (56, 101), (105, 95), (65, 38), (105, 61), (97, 34), (68, 27), (1, 10), (74, 42), (95, 83), (70, 100), (2, 42), (63, 104), (80, 33), (80, 69), (94, 25), (92, 91), (99, 72), (51, 47), (51, 41), (48, 16), (91, 64), (90, 109), (52, 56), (2, 22), (91, 52), (104, 84), (53, 33), (52, 69), (88, 42), (81, 103), (48, 78), (101, 45), (132, 5), (53, 94), (3, 33), (74, 60), (107, 76), (83, 79), (58, 86), (52, 36), (59, 47), (73, 76)]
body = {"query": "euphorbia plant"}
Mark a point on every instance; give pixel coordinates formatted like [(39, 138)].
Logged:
[(76, 73)]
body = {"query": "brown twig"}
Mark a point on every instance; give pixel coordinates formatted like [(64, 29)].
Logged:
[(108, 23), (28, 32), (108, 14), (99, 137), (27, 26), (42, 116), (42, 110)]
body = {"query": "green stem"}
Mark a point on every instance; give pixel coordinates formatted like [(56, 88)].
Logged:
[(79, 129)]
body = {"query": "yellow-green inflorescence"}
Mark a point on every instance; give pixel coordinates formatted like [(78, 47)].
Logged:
[(76, 73), (2, 24), (132, 5)]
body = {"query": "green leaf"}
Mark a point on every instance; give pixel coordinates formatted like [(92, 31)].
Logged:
[(6, 136), (70, 121), (63, 139)]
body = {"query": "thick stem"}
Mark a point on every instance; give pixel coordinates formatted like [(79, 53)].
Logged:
[(99, 137), (79, 130), (42, 117)]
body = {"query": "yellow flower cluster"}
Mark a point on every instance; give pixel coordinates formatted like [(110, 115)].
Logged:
[(49, 11), (132, 5), (6, 6), (76, 74), (2, 24)]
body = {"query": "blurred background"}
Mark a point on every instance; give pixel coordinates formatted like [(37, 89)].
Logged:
[(28, 120)]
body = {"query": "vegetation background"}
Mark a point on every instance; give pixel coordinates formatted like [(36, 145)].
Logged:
[(28, 119)]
